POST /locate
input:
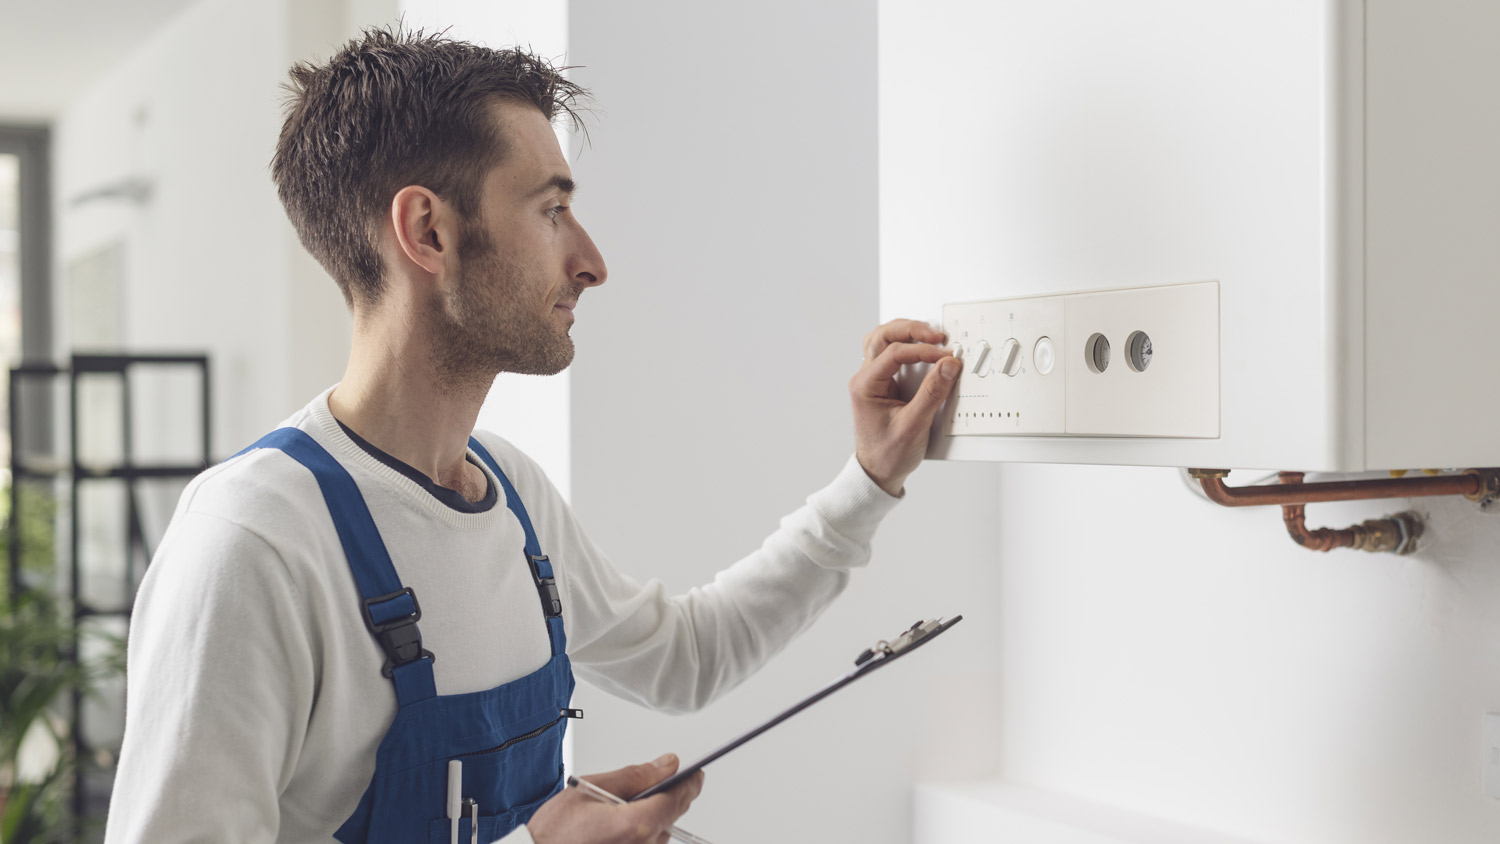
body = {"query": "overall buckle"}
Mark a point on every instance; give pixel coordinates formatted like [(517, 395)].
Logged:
[(546, 586), (398, 637)]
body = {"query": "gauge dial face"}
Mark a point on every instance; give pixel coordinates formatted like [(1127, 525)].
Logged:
[(1140, 351), (1096, 352)]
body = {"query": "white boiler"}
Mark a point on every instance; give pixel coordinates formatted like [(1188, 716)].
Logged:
[(1226, 233)]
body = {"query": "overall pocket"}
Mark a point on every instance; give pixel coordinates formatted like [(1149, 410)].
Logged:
[(508, 781)]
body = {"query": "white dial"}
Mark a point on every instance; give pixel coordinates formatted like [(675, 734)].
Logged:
[(1043, 356), (1010, 357), (981, 358)]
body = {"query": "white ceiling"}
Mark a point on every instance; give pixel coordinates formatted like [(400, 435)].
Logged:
[(50, 50)]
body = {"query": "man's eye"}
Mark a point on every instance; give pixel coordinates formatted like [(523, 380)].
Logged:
[(554, 211)]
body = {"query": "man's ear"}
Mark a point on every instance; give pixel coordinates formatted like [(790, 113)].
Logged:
[(425, 226)]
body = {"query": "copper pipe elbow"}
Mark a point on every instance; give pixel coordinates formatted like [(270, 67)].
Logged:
[(1394, 534)]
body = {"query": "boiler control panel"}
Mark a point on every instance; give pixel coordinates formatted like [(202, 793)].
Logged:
[(1134, 362)]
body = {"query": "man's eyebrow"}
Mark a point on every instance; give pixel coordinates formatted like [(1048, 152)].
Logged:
[(558, 182)]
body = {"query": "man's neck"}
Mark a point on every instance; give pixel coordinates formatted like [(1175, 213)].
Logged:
[(391, 396)]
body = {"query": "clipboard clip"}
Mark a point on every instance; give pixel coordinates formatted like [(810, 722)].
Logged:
[(913, 636)]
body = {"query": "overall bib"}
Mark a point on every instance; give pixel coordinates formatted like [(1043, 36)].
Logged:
[(509, 738)]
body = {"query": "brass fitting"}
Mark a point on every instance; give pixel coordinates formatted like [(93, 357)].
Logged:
[(1489, 484), (1392, 534), (1211, 474), (1396, 534)]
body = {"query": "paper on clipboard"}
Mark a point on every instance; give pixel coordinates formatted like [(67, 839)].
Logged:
[(872, 658)]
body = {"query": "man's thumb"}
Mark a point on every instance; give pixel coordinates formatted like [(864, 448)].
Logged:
[(629, 781), (935, 389)]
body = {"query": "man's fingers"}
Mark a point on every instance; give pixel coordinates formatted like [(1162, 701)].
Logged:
[(629, 781), (900, 331), (874, 378), (667, 807), (574, 815), (679, 797), (649, 819), (933, 392)]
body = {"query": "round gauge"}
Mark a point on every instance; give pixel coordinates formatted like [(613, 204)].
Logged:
[(1096, 353), (1043, 356), (1139, 349)]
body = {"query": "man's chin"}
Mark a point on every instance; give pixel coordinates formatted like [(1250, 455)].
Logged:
[(550, 364)]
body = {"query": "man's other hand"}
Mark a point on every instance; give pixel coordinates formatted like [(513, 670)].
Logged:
[(890, 436), (574, 817)]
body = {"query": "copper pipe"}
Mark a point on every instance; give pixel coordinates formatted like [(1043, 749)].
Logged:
[(1473, 484), (1396, 533), (1322, 539)]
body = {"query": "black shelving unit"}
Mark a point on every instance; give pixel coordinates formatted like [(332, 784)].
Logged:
[(88, 802)]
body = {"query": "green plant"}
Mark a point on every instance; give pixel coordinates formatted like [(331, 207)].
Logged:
[(36, 527), (37, 638), (35, 673)]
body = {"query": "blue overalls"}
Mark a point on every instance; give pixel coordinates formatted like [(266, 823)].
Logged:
[(509, 738)]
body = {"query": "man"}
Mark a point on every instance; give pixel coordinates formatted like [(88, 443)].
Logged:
[(280, 686)]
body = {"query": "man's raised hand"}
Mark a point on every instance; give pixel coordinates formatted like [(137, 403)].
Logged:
[(890, 435)]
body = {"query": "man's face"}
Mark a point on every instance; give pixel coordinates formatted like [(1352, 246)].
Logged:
[(521, 266)]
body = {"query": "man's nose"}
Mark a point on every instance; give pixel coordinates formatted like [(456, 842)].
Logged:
[(589, 266)]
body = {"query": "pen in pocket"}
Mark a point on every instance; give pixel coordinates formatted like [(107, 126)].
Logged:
[(455, 796)]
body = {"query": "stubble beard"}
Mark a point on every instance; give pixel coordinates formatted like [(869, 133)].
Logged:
[(480, 329)]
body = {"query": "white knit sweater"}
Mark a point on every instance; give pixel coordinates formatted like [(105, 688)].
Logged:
[(255, 701)]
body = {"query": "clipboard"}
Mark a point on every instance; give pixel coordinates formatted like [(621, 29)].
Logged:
[(882, 653)]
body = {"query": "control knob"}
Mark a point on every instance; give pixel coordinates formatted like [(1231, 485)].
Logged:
[(1010, 357), (981, 358)]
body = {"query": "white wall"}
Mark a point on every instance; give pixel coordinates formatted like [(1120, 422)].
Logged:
[(730, 186), (1190, 662), (211, 261)]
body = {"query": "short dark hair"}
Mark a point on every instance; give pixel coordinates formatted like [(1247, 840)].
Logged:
[(392, 109)]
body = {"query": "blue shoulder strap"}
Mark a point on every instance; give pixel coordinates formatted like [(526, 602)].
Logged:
[(390, 610), (541, 567)]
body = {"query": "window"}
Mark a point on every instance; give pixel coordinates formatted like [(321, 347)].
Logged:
[(10, 275), (25, 287)]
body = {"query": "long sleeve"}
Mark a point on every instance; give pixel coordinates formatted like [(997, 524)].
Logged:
[(678, 652), (221, 683)]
